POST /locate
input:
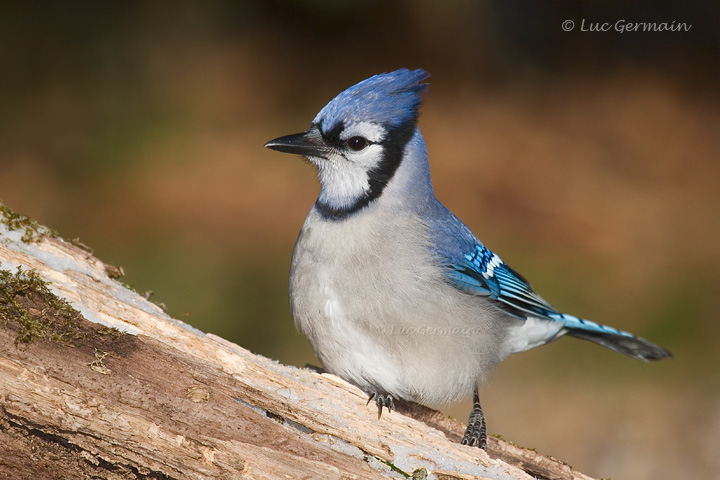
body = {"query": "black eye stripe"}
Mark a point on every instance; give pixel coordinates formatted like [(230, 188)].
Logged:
[(333, 136), (355, 143)]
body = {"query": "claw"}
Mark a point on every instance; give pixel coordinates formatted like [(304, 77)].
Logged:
[(382, 400)]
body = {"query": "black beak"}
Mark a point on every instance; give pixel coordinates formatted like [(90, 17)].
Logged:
[(309, 144)]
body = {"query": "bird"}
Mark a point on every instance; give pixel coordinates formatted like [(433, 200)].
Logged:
[(394, 293)]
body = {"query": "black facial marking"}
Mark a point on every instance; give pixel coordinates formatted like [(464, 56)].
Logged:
[(333, 136), (393, 148), (394, 145)]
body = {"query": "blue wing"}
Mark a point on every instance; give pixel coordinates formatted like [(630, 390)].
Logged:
[(475, 269), (481, 272)]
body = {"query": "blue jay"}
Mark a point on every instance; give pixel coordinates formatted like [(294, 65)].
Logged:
[(394, 293)]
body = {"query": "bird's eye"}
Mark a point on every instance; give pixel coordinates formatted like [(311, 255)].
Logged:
[(356, 143)]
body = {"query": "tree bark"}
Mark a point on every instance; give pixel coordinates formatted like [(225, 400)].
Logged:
[(166, 401)]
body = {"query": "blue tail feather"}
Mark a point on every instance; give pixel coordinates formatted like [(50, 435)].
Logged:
[(612, 338)]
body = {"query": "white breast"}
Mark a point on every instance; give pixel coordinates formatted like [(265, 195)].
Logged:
[(377, 311)]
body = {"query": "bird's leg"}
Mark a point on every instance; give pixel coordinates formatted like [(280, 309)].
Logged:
[(382, 400), (476, 433)]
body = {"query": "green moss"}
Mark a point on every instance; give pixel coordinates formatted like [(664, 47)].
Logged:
[(419, 474), (26, 299), (14, 221), (395, 469), (34, 232)]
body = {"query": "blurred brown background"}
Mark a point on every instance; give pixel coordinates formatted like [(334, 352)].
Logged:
[(588, 160)]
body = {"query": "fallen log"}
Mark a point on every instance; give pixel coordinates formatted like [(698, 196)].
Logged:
[(98, 382)]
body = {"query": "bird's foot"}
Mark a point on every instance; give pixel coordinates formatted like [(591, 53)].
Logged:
[(382, 400), (476, 432)]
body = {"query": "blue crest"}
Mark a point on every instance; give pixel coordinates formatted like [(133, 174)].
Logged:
[(388, 98)]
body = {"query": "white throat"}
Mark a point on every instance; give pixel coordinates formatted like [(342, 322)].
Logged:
[(342, 183)]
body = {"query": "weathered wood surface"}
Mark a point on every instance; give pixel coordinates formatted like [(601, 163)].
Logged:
[(168, 401)]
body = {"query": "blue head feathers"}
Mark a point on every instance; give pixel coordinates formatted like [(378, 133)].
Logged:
[(388, 98)]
